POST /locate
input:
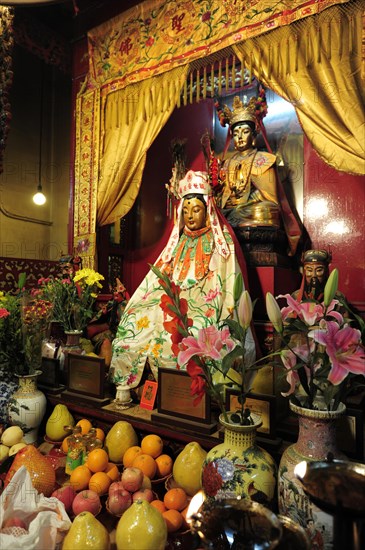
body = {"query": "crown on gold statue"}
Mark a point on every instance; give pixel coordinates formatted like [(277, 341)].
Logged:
[(253, 111), (240, 112)]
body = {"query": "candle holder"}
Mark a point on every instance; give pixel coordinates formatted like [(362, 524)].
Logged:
[(338, 488), (236, 524)]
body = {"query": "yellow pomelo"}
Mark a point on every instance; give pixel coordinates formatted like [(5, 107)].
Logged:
[(188, 466), (120, 437), (86, 532), (59, 418), (141, 527)]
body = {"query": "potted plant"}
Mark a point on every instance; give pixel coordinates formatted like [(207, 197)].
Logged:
[(23, 321), (72, 298), (323, 356)]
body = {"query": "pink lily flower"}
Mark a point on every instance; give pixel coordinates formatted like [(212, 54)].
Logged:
[(289, 359), (309, 312), (344, 349), (210, 343)]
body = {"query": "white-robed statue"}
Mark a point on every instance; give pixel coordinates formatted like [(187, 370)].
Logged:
[(202, 258)]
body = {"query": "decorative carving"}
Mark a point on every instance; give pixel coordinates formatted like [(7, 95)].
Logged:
[(10, 269)]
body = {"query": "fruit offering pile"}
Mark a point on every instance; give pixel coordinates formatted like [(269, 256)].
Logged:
[(136, 481)]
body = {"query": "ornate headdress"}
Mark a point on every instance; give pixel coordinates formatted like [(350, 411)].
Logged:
[(197, 182), (252, 112), (316, 256), (194, 182)]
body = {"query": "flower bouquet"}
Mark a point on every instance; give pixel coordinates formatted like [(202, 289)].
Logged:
[(72, 298), (23, 322), (214, 356), (322, 353)]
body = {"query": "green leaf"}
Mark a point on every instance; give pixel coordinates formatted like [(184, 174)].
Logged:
[(21, 280), (230, 358)]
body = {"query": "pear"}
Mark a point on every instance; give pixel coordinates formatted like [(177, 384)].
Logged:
[(141, 527), (86, 532), (12, 435), (55, 427), (188, 467), (120, 437), (4, 453)]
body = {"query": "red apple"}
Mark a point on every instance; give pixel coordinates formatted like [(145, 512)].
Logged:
[(115, 487), (132, 479), (145, 494), (86, 501), (66, 495), (119, 501), (15, 522)]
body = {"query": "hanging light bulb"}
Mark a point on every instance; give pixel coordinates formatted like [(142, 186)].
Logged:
[(39, 198)]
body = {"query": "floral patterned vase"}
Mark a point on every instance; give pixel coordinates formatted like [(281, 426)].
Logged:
[(239, 467), (27, 406), (316, 438)]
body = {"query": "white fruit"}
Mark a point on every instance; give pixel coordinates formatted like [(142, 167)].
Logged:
[(15, 448), (4, 453), (11, 436)]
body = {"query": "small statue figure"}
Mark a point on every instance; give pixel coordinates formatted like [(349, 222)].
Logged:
[(315, 275), (251, 193)]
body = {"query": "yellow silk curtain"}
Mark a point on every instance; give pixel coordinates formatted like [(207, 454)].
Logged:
[(133, 117), (316, 64)]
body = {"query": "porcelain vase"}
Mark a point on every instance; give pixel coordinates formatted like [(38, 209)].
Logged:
[(27, 406), (316, 439), (238, 467)]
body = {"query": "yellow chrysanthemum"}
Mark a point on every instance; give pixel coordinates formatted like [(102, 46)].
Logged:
[(156, 350), (143, 322)]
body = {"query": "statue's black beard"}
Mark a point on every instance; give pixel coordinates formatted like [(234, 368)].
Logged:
[(314, 288)]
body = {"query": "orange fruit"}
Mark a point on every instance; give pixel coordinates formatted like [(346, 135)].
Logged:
[(80, 477), (152, 445), (184, 514), (85, 425), (97, 460), (100, 483), (130, 455), (175, 499), (164, 465), (64, 446), (159, 505), (100, 434), (145, 463), (173, 520), (112, 471)]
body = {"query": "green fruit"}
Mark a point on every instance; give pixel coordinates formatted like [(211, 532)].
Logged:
[(141, 527), (55, 427), (86, 532), (188, 467), (120, 437)]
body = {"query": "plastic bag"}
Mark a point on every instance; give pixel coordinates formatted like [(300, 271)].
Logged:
[(45, 518)]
